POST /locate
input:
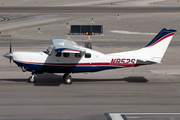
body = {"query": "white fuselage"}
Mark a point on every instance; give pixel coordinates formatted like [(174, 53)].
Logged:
[(43, 62)]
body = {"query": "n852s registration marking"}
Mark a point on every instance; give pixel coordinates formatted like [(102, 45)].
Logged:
[(122, 61)]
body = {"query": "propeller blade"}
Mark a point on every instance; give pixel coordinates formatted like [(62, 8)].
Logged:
[(9, 55), (10, 49)]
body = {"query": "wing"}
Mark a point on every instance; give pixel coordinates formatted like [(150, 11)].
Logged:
[(66, 46)]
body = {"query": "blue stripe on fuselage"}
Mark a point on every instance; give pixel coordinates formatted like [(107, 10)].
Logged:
[(62, 68), (92, 68)]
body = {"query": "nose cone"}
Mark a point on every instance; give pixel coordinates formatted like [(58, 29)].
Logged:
[(8, 55)]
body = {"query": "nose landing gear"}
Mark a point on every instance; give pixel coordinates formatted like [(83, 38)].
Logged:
[(32, 78)]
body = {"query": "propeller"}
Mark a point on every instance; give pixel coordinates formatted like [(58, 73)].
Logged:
[(10, 50), (9, 55)]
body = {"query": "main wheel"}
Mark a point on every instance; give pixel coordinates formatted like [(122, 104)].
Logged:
[(32, 79), (68, 80)]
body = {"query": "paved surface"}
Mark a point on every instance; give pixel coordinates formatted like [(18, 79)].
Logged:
[(87, 98), (90, 9), (146, 89), (107, 3)]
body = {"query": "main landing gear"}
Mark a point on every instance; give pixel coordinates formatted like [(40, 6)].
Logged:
[(67, 79)]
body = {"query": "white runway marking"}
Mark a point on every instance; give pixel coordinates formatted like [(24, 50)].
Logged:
[(124, 116), (115, 116), (132, 33)]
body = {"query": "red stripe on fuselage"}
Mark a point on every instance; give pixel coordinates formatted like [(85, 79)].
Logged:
[(78, 64)]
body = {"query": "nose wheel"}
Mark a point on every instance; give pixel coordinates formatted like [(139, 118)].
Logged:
[(32, 79), (67, 79)]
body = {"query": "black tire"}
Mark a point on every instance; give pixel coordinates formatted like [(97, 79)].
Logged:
[(68, 80)]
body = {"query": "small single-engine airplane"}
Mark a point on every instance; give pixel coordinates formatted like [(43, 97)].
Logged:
[(65, 56)]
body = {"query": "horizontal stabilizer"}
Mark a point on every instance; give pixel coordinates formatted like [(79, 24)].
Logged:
[(146, 62)]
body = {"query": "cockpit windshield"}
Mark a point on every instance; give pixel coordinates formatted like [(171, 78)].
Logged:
[(48, 50)]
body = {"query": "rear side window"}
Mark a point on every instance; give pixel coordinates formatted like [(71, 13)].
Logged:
[(66, 54), (87, 55), (58, 54)]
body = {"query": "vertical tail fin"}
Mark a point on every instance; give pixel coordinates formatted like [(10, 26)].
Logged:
[(164, 33), (154, 51), (158, 46)]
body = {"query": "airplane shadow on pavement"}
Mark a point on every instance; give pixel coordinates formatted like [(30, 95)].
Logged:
[(56, 80), (131, 79)]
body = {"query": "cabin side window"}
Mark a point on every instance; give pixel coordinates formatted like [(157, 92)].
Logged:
[(87, 55), (65, 54), (58, 54), (77, 55)]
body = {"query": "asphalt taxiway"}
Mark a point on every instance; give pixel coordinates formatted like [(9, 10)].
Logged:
[(88, 9), (146, 89)]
